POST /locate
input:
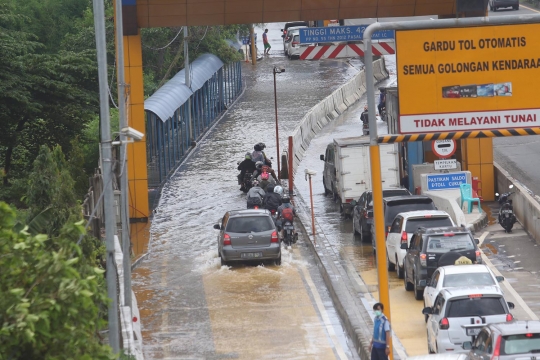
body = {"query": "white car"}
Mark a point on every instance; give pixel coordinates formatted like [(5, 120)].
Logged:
[(403, 228), (459, 314), (458, 276), (291, 32), (295, 49)]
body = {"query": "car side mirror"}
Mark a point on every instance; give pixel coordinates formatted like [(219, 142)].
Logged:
[(217, 227), (422, 283), (477, 241), (281, 30), (511, 305), (404, 246), (353, 203), (427, 311), (467, 345), (499, 278), (238, 163), (321, 157)]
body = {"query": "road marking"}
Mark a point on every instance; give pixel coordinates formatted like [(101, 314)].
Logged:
[(517, 261), (326, 319), (528, 8), (511, 256), (506, 284)]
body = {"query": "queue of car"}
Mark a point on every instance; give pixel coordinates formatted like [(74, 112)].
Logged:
[(465, 310)]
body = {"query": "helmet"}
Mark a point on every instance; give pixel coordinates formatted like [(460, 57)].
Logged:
[(248, 155), (365, 107), (255, 183), (279, 190), (270, 188), (259, 164), (257, 147), (286, 199), (261, 145)]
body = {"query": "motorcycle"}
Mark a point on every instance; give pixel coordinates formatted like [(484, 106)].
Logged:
[(383, 114), (246, 182), (365, 128), (506, 218), (289, 237)]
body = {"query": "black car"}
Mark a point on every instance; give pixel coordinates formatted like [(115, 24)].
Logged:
[(398, 204), (363, 211), (494, 5), (433, 247)]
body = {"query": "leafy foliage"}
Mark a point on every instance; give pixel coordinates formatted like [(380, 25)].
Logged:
[(48, 304)]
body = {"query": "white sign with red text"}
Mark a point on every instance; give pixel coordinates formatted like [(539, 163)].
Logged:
[(469, 121)]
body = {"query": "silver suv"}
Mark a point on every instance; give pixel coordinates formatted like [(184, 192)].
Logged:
[(248, 235), (506, 341)]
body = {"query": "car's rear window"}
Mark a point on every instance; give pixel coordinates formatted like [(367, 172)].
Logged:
[(390, 193), (444, 244), (413, 224), (475, 306), (392, 210), (250, 224), (520, 344), (468, 279)]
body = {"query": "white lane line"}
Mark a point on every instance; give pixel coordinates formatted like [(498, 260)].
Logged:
[(511, 256), (326, 319), (528, 8), (506, 284)]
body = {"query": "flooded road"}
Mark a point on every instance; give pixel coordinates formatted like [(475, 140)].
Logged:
[(191, 307)]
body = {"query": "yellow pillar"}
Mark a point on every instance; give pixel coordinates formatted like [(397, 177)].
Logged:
[(477, 157), (136, 152)]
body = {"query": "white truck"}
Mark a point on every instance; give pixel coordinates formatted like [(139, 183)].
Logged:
[(347, 170)]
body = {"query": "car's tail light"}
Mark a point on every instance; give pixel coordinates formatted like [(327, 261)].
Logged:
[(348, 200), (226, 239), (529, 335), (273, 211), (423, 260), (444, 324), (509, 317), (497, 349), (404, 237), (274, 237), (474, 296), (449, 234), (478, 256), (295, 43)]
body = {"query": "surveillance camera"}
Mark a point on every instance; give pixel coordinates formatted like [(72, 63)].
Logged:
[(132, 133), (310, 172)]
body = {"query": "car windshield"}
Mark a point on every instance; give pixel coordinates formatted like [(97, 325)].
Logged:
[(468, 279), (427, 222), (475, 306), (444, 244), (392, 210), (250, 224), (520, 344)]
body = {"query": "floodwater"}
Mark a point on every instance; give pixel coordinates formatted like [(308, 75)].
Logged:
[(190, 306)]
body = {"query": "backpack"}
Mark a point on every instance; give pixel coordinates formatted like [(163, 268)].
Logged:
[(265, 175), (263, 184), (288, 214)]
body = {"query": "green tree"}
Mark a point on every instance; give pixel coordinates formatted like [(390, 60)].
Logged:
[(48, 307)]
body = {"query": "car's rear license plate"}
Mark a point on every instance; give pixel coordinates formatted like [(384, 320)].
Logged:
[(252, 255), (473, 331)]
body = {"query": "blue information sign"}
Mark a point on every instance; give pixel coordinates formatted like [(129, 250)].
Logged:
[(340, 33), (446, 181)]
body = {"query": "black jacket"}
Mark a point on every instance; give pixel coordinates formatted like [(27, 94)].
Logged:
[(364, 117), (272, 200), (246, 165)]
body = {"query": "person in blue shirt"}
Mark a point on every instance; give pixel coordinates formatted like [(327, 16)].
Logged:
[(380, 342)]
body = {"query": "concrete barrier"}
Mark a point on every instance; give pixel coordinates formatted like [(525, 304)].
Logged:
[(526, 207), (329, 109)]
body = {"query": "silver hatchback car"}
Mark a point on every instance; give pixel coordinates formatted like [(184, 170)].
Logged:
[(248, 235)]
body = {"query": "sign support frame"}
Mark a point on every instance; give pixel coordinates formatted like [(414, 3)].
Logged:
[(384, 292)]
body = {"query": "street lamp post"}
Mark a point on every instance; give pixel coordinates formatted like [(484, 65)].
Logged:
[(277, 70), (311, 173)]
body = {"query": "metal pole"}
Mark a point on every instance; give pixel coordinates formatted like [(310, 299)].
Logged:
[(291, 164), (313, 230), (253, 45), (188, 82), (106, 165), (277, 129), (126, 241), (376, 181)]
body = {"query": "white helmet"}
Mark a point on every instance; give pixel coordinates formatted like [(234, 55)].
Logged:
[(278, 190)]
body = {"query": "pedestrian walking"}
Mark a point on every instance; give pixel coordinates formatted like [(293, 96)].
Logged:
[(267, 46), (380, 342)]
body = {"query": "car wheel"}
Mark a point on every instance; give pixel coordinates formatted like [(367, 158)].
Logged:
[(223, 262), (365, 237), (428, 346), (516, 7), (390, 266), (334, 193), (399, 269), (326, 191), (277, 262), (494, 9), (418, 294), (406, 283)]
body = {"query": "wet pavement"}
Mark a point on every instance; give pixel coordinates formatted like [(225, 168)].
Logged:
[(191, 307)]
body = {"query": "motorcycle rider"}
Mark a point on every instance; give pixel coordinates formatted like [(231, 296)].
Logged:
[(286, 215), (364, 117), (259, 155), (246, 166), (382, 100), (255, 196), (278, 190), (271, 200), (259, 170)]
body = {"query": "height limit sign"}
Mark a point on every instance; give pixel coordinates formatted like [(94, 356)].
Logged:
[(444, 148)]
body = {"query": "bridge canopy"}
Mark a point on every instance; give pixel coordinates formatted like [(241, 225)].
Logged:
[(168, 98)]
